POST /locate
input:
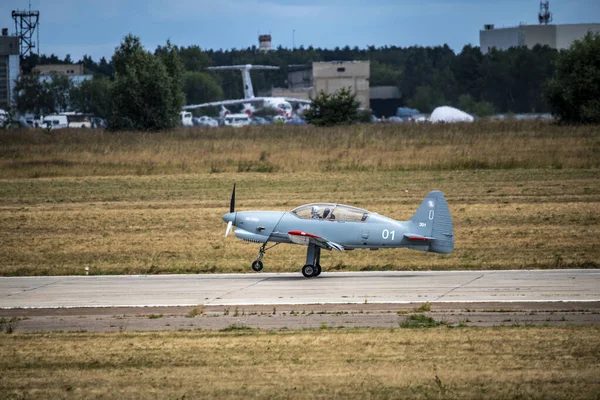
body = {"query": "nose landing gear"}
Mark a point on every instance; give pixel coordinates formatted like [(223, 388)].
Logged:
[(257, 265)]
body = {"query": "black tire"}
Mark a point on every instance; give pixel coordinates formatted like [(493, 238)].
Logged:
[(317, 270), (308, 271), (257, 266)]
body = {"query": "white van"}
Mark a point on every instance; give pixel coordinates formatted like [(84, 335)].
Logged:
[(55, 122), (34, 121), (185, 118), (237, 120), (78, 120)]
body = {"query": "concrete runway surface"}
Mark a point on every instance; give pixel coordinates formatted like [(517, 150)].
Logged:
[(293, 288)]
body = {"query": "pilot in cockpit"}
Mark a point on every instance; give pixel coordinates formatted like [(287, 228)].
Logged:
[(314, 212), (326, 212)]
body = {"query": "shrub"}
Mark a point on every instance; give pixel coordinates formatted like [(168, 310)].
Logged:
[(573, 92)]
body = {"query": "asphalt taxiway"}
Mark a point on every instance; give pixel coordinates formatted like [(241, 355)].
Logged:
[(292, 288)]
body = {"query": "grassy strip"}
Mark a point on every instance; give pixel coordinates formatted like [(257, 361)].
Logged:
[(294, 149), (172, 223), (522, 362), (522, 194)]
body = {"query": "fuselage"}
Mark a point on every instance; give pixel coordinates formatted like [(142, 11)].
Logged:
[(374, 232)]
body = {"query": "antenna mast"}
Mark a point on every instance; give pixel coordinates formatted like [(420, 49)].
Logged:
[(545, 16), (26, 26)]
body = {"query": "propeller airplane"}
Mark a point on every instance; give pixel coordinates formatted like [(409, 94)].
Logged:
[(332, 226)]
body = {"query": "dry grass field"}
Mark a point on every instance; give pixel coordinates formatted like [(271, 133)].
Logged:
[(300, 149), (435, 363), (522, 195)]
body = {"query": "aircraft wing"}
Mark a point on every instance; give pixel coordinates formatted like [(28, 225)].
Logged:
[(223, 103), (305, 239), (298, 101), (242, 101)]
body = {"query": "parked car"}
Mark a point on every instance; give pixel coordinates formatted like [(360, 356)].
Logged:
[(34, 121), (78, 120), (237, 120), (259, 121), (394, 120), (205, 121), (185, 118), (295, 120), (279, 119), (55, 121)]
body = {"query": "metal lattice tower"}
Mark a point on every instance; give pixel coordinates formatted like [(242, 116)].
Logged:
[(545, 16), (26, 26)]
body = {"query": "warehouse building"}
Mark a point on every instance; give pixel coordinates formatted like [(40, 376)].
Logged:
[(556, 36), (332, 76), (75, 72)]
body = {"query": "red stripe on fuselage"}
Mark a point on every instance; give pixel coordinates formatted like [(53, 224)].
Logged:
[(417, 238), (300, 233)]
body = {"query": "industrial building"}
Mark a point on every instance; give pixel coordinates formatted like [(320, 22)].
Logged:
[(385, 100), (75, 72), (556, 36), (305, 81), (9, 67), (329, 77), (264, 43)]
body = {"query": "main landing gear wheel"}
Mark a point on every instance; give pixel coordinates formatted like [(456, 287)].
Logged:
[(308, 271), (317, 270), (257, 266)]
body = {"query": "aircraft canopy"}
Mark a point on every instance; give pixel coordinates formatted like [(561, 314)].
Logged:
[(331, 212)]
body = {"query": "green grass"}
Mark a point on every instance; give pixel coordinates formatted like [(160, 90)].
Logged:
[(419, 321)]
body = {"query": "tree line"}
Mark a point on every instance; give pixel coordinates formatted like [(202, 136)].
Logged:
[(501, 81), (507, 81)]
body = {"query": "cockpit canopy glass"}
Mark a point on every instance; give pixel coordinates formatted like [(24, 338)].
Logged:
[(331, 212)]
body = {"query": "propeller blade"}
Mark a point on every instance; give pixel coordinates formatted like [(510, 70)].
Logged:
[(229, 225), (232, 203)]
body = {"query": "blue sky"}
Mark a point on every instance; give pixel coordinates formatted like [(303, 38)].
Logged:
[(91, 27)]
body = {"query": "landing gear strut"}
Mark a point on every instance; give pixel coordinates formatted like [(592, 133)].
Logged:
[(257, 265), (313, 262)]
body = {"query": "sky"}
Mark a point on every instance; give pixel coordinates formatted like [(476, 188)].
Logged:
[(95, 28)]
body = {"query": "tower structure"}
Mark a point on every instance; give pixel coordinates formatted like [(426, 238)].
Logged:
[(545, 16), (26, 28)]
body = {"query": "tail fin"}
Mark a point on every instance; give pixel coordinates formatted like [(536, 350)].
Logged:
[(433, 220)]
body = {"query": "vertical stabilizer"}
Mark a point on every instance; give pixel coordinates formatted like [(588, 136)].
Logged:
[(433, 220)]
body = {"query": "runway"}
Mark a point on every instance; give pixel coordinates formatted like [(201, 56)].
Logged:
[(293, 288)]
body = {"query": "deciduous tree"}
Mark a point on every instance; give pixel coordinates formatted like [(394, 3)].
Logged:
[(574, 92)]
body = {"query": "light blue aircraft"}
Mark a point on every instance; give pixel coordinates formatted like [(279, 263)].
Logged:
[(339, 227)]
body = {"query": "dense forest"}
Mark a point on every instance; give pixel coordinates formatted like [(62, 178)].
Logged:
[(500, 82)]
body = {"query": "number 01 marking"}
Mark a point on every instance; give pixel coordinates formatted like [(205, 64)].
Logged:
[(386, 234)]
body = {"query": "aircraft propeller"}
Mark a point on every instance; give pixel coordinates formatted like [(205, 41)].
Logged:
[(231, 210), (232, 202)]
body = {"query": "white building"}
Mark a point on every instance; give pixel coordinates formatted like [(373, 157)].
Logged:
[(332, 76), (75, 72), (9, 67), (556, 36)]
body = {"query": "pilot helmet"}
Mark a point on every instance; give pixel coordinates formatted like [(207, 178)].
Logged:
[(315, 209)]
